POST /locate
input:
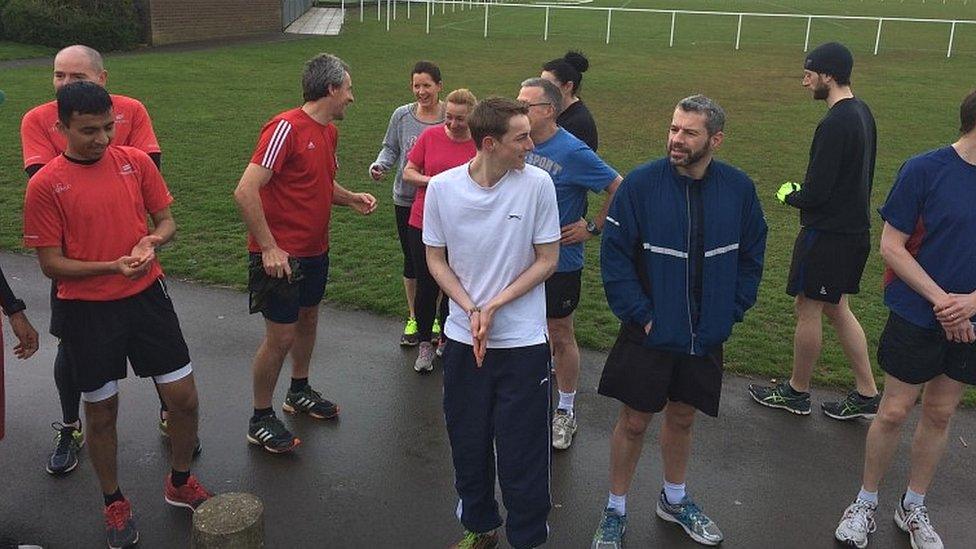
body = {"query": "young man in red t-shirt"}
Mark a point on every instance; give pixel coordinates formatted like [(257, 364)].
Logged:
[(41, 142), (85, 213), (285, 197)]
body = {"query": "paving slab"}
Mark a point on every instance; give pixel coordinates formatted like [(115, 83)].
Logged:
[(381, 475)]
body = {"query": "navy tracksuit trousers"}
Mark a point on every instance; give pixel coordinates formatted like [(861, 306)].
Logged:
[(502, 407)]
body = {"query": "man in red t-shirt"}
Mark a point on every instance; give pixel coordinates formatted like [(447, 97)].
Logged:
[(285, 197), (85, 213), (41, 142)]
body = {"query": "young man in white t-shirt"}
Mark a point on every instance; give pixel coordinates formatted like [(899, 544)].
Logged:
[(499, 218)]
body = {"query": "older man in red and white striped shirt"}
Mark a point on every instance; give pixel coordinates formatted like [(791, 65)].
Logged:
[(285, 197)]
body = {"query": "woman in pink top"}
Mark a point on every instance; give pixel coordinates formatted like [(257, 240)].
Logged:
[(438, 148)]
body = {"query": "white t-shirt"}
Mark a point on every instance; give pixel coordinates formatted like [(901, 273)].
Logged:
[(489, 234)]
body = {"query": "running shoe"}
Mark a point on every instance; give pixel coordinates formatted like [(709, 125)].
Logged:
[(67, 444), (441, 345), (781, 396), (409, 337), (435, 331), (852, 407), (471, 540), (425, 358), (270, 433), (689, 516), (190, 495), (563, 428), (916, 523), (610, 533), (164, 430), (120, 526), (857, 523), (309, 401)]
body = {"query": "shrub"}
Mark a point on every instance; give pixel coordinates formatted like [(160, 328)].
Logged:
[(102, 24)]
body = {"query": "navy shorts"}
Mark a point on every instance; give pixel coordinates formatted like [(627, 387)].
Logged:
[(282, 307), (563, 293)]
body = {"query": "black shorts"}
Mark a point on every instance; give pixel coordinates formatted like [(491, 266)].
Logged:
[(402, 218), (827, 265), (916, 355), (645, 378), (98, 337), (278, 299), (563, 293)]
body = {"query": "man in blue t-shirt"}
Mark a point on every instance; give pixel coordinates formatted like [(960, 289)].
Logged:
[(928, 341), (576, 171)]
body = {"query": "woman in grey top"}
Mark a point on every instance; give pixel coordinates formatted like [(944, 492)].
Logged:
[(406, 124)]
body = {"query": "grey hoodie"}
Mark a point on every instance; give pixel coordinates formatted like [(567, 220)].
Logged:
[(402, 133)]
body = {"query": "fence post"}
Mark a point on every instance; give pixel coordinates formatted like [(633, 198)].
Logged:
[(545, 32), (361, 10), (738, 32), (408, 8), (388, 15), (394, 9), (609, 16), (877, 39), (806, 41), (671, 40), (428, 16), (378, 7), (486, 19), (952, 34)]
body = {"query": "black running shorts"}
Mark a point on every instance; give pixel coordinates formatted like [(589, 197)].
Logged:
[(826, 266), (645, 378), (99, 336), (916, 355), (563, 293)]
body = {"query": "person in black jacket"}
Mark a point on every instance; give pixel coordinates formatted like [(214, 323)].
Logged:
[(567, 73), (834, 240)]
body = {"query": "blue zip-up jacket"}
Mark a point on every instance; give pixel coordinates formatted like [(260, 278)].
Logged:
[(644, 254)]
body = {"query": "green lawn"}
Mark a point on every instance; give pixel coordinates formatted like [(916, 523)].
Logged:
[(208, 107), (15, 50)]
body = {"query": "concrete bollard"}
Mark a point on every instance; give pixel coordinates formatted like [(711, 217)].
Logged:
[(234, 520)]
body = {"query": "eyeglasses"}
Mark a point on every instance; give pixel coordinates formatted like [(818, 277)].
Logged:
[(527, 104)]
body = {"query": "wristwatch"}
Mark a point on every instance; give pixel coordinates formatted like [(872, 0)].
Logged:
[(592, 228)]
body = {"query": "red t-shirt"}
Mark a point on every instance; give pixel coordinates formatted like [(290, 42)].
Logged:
[(435, 152), (297, 201), (41, 141), (96, 212)]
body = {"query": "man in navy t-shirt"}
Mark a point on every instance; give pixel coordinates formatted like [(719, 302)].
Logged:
[(576, 171), (928, 341)]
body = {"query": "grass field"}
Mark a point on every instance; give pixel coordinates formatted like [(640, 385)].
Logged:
[(13, 50), (208, 107)]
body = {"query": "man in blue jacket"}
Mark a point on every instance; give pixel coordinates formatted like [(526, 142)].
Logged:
[(676, 224)]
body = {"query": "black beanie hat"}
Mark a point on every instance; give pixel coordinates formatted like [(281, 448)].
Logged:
[(831, 58)]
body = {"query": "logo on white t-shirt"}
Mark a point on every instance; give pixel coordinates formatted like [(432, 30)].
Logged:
[(515, 216)]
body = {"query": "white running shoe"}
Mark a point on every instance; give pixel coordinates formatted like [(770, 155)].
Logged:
[(856, 524), (563, 429), (425, 357), (920, 530)]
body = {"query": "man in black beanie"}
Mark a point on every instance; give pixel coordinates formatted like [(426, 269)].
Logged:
[(834, 240)]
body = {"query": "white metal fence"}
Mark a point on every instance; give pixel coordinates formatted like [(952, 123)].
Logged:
[(430, 6)]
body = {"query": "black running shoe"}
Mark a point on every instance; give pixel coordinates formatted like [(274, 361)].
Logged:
[(68, 443), (852, 407), (270, 433), (310, 401), (781, 396)]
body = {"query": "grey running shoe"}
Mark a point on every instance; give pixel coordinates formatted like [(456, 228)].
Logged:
[(610, 533), (689, 516), (270, 433), (563, 428), (425, 357), (920, 530), (852, 407), (781, 396), (856, 524), (68, 443)]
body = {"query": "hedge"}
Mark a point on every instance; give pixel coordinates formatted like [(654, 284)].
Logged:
[(102, 24)]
